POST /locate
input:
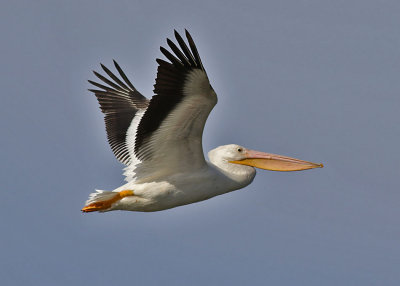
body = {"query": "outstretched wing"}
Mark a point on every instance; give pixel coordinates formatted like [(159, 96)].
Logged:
[(121, 103), (163, 135), (169, 135)]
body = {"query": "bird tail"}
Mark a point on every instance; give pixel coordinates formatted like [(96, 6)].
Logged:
[(103, 201)]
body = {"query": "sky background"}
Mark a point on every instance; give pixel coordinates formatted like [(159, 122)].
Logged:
[(316, 80)]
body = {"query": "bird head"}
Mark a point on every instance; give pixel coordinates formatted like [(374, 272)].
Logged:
[(236, 154)]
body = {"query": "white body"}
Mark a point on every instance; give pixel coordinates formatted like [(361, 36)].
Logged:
[(168, 191)]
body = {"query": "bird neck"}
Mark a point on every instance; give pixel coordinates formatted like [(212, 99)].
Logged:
[(237, 176)]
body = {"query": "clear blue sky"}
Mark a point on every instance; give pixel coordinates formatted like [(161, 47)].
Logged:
[(316, 80)]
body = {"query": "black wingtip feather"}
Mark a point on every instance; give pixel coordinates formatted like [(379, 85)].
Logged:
[(183, 56), (110, 83), (175, 61), (185, 48), (123, 75), (194, 49), (115, 78), (178, 53)]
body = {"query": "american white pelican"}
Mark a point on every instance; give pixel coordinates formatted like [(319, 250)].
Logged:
[(160, 140)]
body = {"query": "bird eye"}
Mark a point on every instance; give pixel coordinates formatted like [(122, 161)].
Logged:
[(240, 150)]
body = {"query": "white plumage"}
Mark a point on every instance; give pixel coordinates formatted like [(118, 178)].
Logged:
[(160, 140)]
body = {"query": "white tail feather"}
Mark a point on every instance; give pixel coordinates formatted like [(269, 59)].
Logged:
[(100, 196)]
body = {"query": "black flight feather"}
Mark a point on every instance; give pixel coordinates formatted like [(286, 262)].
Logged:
[(119, 101)]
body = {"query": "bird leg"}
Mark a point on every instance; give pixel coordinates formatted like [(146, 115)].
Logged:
[(103, 205)]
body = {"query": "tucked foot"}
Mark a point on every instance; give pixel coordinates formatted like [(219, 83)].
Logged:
[(103, 200)]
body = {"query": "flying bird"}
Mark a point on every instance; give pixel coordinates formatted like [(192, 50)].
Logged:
[(160, 140)]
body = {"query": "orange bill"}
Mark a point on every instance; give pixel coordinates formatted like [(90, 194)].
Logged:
[(275, 162)]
